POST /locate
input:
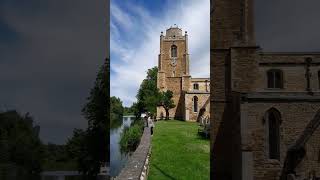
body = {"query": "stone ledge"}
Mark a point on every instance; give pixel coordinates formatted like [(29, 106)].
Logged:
[(280, 97), (136, 162)]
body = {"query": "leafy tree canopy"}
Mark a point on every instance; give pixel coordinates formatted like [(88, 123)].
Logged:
[(166, 101), (116, 112), (91, 147), (148, 93), (19, 143)]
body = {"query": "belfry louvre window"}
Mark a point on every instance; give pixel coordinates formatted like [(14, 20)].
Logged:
[(195, 104), (173, 51), (196, 86), (275, 78)]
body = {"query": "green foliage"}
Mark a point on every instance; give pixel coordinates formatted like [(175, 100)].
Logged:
[(116, 107), (58, 158), (178, 152), (148, 94), (130, 137), (116, 112), (137, 109), (79, 150), (90, 148), (128, 111), (20, 149), (166, 101)]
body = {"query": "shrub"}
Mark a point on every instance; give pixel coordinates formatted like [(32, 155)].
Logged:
[(130, 137)]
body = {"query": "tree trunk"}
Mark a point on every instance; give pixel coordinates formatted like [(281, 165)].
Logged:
[(167, 114)]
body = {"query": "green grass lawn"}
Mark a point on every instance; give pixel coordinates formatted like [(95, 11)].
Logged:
[(178, 152)]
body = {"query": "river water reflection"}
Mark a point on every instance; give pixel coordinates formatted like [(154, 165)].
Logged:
[(118, 159)]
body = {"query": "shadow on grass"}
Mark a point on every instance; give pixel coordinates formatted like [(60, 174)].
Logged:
[(203, 136), (164, 173)]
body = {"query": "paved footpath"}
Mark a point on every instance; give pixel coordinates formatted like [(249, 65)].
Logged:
[(135, 165)]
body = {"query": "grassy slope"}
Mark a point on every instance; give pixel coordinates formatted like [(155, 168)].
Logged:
[(178, 152)]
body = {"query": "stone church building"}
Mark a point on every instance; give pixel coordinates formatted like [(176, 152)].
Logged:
[(264, 105), (190, 95)]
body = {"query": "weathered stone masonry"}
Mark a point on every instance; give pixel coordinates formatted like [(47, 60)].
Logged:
[(190, 95), (264, 106), (137, 166)]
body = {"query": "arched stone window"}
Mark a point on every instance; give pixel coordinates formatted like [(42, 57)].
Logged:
[(196, 86), (195, 104), (273, 121), (173, 51), (275, 78), (319, 79)]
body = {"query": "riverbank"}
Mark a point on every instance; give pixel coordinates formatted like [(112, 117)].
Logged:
[(118, 159), (178, 152), (135, 167)]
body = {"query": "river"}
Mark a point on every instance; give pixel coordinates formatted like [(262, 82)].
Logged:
[(118, 159)]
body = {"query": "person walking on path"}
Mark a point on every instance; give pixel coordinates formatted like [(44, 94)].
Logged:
[(150, 124), (145, 118)]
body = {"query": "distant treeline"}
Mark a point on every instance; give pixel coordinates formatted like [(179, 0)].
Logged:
[(21, 152)]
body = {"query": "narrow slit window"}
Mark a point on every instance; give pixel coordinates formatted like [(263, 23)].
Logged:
[(195, 104)]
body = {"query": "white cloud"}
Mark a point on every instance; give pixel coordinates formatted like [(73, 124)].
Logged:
[(120, 17), (132, 57)]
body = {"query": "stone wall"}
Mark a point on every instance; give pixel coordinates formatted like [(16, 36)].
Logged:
[(203, 83), (294, 118), (231, 22), (244, 68), (240, 98), (311, 163), (175, 85), (203, 102), (135, 166), (294, 70)]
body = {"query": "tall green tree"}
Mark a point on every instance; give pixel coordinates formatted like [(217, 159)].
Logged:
[(148, 93), (116, 112), (166, 101), (91, 147)]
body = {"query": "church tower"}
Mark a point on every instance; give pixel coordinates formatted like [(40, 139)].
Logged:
[(232, 31), (173, 67), (173, 57), (232, 23)]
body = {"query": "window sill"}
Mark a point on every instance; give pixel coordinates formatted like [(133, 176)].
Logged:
[(274, 161), (272, 89)]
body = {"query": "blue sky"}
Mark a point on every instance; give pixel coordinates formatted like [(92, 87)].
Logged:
[(135, 28)]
